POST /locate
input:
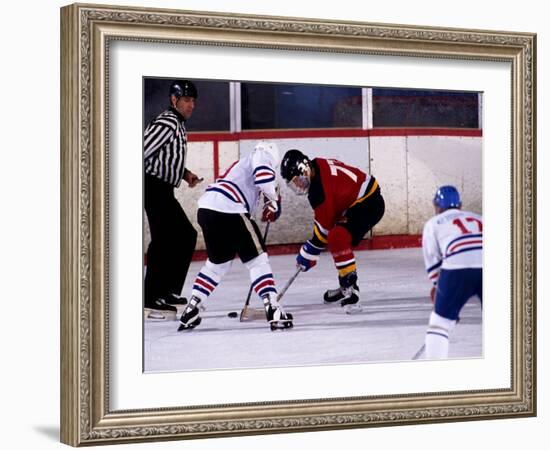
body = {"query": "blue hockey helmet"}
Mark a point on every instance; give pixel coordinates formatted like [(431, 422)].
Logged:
[(447, 197)]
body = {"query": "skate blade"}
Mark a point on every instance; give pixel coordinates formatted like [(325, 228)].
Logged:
[(332, 302), (281, 326), (355, 308), (156, 315), (190, 326), (183, 327)]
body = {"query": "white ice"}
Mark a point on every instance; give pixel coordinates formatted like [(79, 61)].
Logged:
[(391, 327)]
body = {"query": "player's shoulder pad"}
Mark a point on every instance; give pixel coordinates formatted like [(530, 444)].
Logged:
[(319, 162), (428, 225), (261, 157), (262, 160)]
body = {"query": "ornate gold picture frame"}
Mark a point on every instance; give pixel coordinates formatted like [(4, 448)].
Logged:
[(87, 415)]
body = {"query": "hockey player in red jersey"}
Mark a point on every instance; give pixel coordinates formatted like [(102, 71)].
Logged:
[(347, 203)]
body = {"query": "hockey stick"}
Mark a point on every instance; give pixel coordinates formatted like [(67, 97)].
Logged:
[(244, 311), (289, 282), (419, 353), (258, 314)]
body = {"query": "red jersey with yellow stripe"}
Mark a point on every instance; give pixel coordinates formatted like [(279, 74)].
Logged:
[(335, 188)]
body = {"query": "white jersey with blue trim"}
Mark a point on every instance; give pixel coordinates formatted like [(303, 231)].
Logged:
[(452, 240), (238, 190)]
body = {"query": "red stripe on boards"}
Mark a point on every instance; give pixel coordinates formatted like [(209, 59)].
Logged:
[(376, 243), (394, 241), (332, 133)]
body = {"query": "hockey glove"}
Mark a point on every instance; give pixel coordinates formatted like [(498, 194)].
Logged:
[(308, 256), (272, 209)]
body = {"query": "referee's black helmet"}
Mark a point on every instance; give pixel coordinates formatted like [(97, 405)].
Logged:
[(183, 88)]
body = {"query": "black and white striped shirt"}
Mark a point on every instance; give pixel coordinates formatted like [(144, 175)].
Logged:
[(165, 147)]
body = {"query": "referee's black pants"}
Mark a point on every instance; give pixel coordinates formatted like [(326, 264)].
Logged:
[(173, 240)]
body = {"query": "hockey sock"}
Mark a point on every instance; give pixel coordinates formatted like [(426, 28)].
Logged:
[(261, 276), (348, 281), (339, 243), (208, 278), (437, 336)]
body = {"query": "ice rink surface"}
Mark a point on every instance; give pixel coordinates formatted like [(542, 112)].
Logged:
[(391, 327)]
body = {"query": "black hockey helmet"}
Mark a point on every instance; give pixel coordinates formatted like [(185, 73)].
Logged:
[(293, 164), (183, 88), (296, 170)]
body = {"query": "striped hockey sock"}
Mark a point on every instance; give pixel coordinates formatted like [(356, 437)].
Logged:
[(264, 285), (208, 278), (345, 263), (261, 276), (204, 284), (339, 242), (437, 336), (437, 344)]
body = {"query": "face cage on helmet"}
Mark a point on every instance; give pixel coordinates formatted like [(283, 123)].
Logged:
[(299, 184)]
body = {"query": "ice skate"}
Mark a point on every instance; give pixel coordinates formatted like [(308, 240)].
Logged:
[(348, 298), (190, 318), (159, 310), (277, 318), (175, 300)]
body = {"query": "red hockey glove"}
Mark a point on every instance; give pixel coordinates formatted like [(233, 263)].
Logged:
[(272, 210)]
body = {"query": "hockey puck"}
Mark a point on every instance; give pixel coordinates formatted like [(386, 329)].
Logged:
[(232, 314)]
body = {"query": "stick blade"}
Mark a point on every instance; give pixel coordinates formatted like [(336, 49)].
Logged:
[(251, 314)]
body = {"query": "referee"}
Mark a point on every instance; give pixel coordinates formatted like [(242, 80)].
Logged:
[(173, 237)]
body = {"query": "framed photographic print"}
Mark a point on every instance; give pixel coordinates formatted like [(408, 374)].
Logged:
[(394, 109)]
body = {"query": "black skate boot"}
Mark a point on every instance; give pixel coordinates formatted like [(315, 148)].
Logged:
[(277, 318), (175, 300), (159, 310), (333, 295), (190, 318), (347, 295)]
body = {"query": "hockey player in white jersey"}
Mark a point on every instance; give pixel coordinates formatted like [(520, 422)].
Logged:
[(452, 243), (225, 217)]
